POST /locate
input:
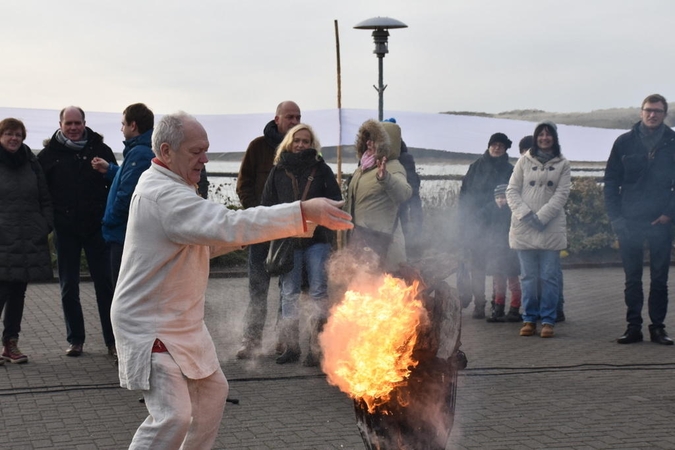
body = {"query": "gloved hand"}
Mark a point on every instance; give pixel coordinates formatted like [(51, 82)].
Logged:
[(620, 228), (532, 220)]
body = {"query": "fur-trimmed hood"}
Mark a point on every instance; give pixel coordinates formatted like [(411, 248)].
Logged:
[(373, 130)]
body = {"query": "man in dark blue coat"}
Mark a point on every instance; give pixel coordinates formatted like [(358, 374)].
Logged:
[(640, 202), (137, 125)]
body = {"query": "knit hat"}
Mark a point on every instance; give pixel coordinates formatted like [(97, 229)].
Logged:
[(550, 124), (500, 137), (501, 189)]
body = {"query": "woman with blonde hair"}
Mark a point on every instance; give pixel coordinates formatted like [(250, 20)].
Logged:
[(300, 172)]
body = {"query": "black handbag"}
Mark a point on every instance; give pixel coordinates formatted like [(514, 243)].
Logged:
[(280, 256)]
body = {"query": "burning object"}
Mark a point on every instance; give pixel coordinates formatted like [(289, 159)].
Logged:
[(392, 345)]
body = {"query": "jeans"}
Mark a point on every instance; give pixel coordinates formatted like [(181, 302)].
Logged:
[(68, 249), (12, 296), (313, 259), (183, 413), (258, 288), (631, 243), (561, 300), (540, 267)]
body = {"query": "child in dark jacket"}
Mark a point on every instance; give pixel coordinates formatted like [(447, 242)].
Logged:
[(502, 261)]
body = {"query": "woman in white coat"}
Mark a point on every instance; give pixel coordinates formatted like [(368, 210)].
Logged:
[(537, 193)]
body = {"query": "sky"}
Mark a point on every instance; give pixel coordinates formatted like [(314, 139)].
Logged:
[(242, 57)]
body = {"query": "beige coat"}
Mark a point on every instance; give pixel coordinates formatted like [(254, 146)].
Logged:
[(543, 189), (374, 203)]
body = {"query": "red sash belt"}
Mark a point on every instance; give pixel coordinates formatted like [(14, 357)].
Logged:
[(158, 347)]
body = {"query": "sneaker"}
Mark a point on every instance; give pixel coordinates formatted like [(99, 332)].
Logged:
[(547, 331), (12, 353), (528, 329)]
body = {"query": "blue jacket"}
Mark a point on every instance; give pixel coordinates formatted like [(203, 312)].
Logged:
[(137, 156)]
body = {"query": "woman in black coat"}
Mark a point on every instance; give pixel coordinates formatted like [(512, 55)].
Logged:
[(26, 219), (301, 173)]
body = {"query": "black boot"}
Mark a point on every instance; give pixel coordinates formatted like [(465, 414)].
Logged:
[(313, 358), (292, 354), (496, 314), (514, 315), (479, 311), (290, 333)]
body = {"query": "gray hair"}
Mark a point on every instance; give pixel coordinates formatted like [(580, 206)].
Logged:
[(169, 130)]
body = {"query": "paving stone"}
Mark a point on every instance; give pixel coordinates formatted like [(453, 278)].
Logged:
[(579, 390)]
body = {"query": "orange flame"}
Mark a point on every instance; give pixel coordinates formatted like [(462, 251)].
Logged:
[(369, 339)]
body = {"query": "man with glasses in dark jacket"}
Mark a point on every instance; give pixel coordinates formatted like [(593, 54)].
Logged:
[(640, 202)]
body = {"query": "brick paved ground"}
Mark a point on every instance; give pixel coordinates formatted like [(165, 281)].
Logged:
[(579, 390)]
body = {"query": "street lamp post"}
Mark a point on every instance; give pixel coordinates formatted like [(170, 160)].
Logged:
[(380, 25)]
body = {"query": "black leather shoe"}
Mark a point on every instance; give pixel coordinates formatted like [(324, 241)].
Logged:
[(630, 336), (660, 336), (112, 351), (74, 350)]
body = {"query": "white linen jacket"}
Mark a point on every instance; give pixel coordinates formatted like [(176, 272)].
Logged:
[(171, 235), (542, 189)]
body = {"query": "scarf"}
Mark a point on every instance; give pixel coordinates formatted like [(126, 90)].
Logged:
[(272, 135), (13, 160), (73, 145), (544, 157), (298, 163), (367, 161)]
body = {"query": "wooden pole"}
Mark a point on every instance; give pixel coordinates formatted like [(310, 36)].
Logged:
[(340, 235), (339, 104)]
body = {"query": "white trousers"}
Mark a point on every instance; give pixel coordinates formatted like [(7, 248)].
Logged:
[(185, 414)]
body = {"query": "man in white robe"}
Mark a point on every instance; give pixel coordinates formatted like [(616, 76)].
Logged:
[(163, 345)]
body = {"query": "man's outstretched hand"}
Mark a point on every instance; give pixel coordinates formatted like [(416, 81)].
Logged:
[(327, 213)]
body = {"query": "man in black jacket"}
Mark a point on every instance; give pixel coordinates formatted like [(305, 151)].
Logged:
[(255, 167), (79, 195), (640, 202)]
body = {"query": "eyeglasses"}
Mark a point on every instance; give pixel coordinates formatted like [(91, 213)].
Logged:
[(10, 134), (653, 111)]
